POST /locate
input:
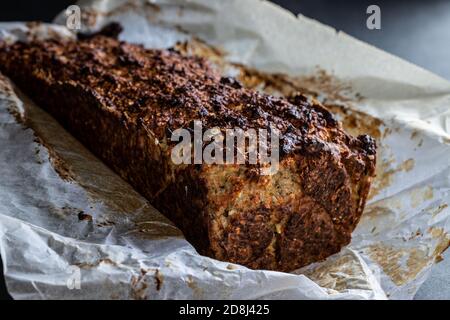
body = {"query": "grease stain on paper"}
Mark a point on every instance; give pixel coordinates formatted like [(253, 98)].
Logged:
[(435, 212), (196, 290), (443, 244), (159, 279), (139, 286), (385, 174), (91, 265), (338, 273), (404, 264), (420, 195), (401, 265)]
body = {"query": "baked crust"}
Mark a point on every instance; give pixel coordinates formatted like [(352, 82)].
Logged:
[(123, 101)]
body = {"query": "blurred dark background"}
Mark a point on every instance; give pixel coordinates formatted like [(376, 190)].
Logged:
[(416, 30)]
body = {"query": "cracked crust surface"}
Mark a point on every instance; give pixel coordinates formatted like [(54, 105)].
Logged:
[(123, 101)]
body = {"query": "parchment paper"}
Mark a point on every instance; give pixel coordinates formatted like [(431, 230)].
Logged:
[(72, 229)]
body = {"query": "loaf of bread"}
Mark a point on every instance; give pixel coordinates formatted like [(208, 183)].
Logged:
[(123, 102)]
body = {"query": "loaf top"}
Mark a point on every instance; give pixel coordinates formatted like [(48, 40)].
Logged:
[(165, 90)]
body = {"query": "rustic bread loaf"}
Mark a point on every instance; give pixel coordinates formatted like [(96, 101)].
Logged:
[(123, 101)]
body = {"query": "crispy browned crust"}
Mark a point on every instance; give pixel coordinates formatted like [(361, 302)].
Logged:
[(123, 101)]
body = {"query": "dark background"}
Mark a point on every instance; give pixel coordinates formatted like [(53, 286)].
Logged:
[(416, 30)]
